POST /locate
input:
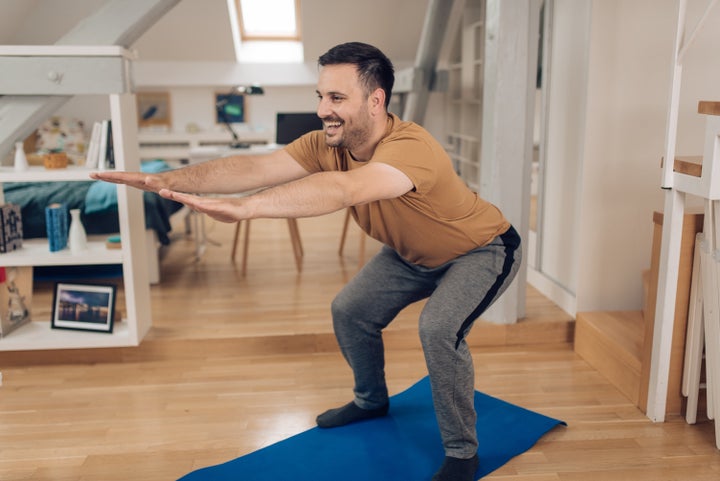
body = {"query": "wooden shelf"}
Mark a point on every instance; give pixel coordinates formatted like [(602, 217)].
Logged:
[(38, 335), (40, 174), (36, 252)]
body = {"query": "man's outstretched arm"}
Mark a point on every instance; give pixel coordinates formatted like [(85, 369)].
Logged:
[(313, 195), (227, 175)]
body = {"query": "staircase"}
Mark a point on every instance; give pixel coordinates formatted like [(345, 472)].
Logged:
[(619, 343)]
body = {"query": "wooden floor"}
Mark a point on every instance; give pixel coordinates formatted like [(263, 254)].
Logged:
[(235, 363)]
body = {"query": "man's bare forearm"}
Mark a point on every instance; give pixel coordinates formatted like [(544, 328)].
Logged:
[(226, 175), (315, 195), (221, 176)]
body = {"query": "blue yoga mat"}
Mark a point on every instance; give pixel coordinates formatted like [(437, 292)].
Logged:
[(405, 445)]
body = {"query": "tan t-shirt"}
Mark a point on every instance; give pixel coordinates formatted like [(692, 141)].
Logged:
[(440, 219)]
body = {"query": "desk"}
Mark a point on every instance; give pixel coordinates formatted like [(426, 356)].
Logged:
[(180, 145)]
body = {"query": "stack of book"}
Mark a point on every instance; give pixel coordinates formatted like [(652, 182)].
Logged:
[(100, 154)]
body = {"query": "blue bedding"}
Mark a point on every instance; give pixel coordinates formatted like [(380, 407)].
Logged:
[(96, 200)]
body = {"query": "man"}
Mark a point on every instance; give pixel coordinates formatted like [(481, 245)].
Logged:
[(442, 242)]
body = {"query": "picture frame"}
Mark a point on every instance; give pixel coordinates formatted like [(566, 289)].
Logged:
[(229, 108), (16, 290), (84, 307), (153, 109)]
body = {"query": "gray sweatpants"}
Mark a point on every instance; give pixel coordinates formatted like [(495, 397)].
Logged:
[(458, 292)]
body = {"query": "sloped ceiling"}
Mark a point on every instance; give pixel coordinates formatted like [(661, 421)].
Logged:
[(199, 30)]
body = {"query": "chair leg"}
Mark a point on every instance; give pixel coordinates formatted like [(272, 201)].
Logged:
[(361, 253), (236, 237), (343, 236), (296, 243), (246, 245)]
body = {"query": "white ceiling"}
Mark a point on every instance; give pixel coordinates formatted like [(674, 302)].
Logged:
[(199, 30)]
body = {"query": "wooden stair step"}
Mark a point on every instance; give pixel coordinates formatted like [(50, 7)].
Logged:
[(687, 164), (709, 107), (612, 342)]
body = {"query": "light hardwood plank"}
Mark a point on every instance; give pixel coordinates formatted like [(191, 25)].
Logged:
[(234, 363)]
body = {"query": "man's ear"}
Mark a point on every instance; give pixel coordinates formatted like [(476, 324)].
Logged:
[(377, 100)]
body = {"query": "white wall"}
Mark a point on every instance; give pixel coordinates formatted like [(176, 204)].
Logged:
[(629, 82), (565, 82)]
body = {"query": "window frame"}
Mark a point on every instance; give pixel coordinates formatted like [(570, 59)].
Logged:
[(245, 37)]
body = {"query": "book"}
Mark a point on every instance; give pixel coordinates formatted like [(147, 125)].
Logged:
[(103, 145), (110, 148), (56, 225), (93, 151)]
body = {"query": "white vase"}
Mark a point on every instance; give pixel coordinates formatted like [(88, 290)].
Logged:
[(77, 238), (21, 162)]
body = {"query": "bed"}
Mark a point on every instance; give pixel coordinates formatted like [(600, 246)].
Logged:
[(97, 202)]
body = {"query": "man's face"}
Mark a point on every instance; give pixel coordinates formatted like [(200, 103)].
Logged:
[(343, 107)]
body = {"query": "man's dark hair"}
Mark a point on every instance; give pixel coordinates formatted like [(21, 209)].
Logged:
[(374, 68)]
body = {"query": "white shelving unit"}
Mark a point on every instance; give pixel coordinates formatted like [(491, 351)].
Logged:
[(465, 93), (129, 331)]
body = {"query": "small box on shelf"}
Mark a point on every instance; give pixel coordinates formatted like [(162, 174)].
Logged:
[(11, 232)]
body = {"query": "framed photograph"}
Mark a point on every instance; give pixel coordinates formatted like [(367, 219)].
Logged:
[(153, 109), (229, 108), (85, 307), (16, 289)]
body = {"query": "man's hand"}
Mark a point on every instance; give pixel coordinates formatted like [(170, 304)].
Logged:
[(224, 209), (139, 180)]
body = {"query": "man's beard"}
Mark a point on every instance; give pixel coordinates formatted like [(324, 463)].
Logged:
[(351, 137)]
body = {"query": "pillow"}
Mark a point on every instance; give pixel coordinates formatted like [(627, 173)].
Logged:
[(102, 196)]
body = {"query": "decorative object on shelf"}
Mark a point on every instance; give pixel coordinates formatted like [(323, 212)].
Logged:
[(63, 134), (11, 224), (15, 298), (57, 227), (230, 108), (114, 242), (55, 160), (77, 238), (153, 110), (21, 161), (84, 307)]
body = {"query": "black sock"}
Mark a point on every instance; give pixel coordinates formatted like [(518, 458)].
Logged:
[(347, 414), (456, 469)]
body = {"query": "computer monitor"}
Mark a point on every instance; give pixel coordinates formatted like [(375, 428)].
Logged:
[(291, 125)]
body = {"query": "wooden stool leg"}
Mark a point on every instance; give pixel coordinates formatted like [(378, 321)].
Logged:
[(296, 243), (236, 237)]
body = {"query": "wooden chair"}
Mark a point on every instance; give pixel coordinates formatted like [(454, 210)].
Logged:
[(343, 236), (294, 238)]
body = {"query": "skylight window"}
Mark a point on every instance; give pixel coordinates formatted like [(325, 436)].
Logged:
[(269, 19)]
